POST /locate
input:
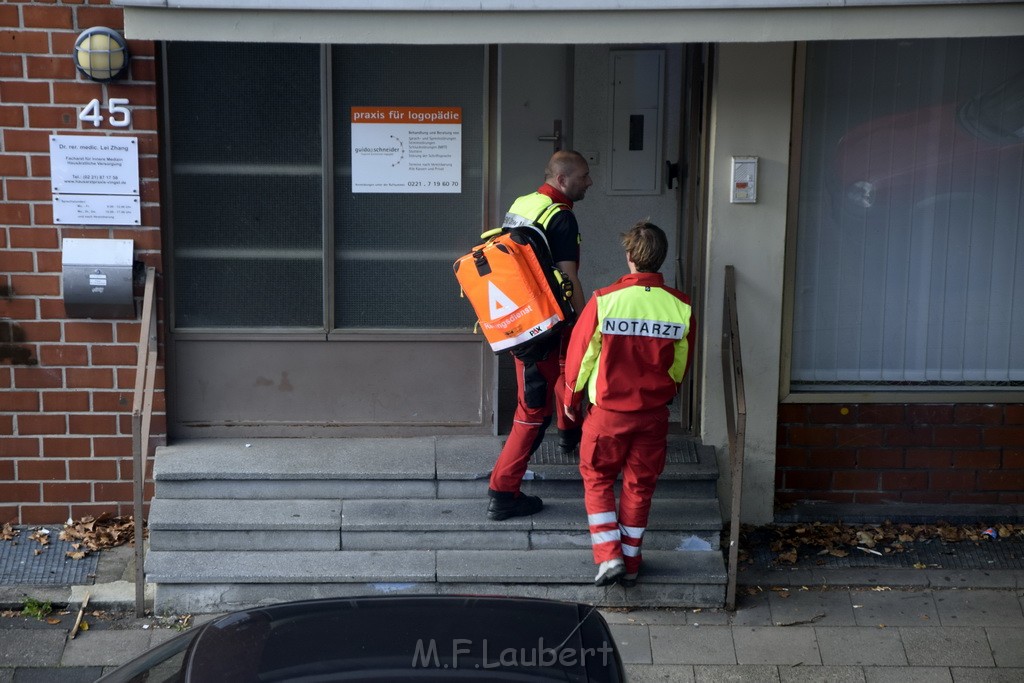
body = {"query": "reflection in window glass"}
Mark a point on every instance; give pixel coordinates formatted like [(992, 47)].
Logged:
[(910, 246)]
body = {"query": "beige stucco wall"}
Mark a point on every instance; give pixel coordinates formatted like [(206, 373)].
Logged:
[(750, 116)]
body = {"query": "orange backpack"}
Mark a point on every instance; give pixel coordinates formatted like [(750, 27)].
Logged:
[(518, 294)]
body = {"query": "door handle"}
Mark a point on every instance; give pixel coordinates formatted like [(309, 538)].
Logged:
[(556, 136), (673, 172)]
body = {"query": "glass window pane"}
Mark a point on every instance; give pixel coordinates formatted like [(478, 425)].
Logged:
[(910, 244), (246, 185), (394, 251)]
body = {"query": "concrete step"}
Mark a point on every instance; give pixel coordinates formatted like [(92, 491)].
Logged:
[(228, 524), (418, 467), (416, 524), (211, 581)]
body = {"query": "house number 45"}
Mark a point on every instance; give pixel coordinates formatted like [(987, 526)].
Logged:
[(120, 114)]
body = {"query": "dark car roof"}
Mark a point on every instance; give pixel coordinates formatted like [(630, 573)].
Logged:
[(399, 638)]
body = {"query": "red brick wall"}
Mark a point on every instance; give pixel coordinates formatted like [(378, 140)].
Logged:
[(879, 453), (65, 384)]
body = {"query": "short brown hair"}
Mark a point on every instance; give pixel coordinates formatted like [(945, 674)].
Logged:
[(646, 246)]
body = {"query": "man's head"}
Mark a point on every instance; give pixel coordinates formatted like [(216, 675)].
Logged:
[(646, 247), (569, 172)]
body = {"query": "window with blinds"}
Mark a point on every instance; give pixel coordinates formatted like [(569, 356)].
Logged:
[(909, 261)]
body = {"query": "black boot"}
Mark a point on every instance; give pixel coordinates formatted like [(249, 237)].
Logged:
[(569, 439), (504, 505)]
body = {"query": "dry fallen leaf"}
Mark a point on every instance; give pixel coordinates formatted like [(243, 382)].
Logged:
[(53, 621), (8, 533), (90, 534), (789, 556), (40, 536)]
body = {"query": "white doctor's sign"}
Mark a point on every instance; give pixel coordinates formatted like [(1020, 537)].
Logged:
[(406, 149)]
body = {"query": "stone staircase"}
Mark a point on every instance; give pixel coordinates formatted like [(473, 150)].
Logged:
[(236, 523)]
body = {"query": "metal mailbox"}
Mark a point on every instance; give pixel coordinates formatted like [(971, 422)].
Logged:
[(98, 278)]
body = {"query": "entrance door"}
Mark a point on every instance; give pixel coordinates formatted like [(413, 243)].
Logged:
[(576, 84), (534, 118), (300, 303)]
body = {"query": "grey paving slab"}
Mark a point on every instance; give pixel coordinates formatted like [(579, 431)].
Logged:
[(633, 642), (979, 608), (946, 646), (692, 645), (794, 646), (895, 608), (766, 578), (674, 617), (753, 610), (735, 674), (31, 647), (971, 578), (659, 673), (7, 675), (856, 645), (105, 648), (861, 576), (75, 674), (1007, 643), (821, 674), (964, 675), (823, 608), (905, 674)]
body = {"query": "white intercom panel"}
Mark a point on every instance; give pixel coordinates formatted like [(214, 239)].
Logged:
[(744, 181), (638, 103)]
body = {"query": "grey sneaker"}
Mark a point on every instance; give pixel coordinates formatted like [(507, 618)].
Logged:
[(628, 580), (609, 572)]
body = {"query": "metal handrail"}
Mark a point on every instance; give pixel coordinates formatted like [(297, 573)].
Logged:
[(142, 418), (736, 421)]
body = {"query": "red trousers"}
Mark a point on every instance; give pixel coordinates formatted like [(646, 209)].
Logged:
[(540, 387), (633, 444)]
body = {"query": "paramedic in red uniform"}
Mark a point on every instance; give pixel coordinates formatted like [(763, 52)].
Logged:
[(629, 351), (538, 367)]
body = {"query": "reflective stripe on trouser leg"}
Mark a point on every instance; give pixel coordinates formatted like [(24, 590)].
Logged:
[(535, 381), (632, 537), (604, 536)]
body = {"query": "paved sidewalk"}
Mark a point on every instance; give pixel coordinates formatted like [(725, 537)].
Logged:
[(866, 625)]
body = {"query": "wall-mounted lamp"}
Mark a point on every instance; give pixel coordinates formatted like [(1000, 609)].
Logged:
[(101, 54)]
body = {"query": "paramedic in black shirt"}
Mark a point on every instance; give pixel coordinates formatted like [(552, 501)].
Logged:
[(539, 368)]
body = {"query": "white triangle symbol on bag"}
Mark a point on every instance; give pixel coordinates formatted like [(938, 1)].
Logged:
[(499, 302)]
